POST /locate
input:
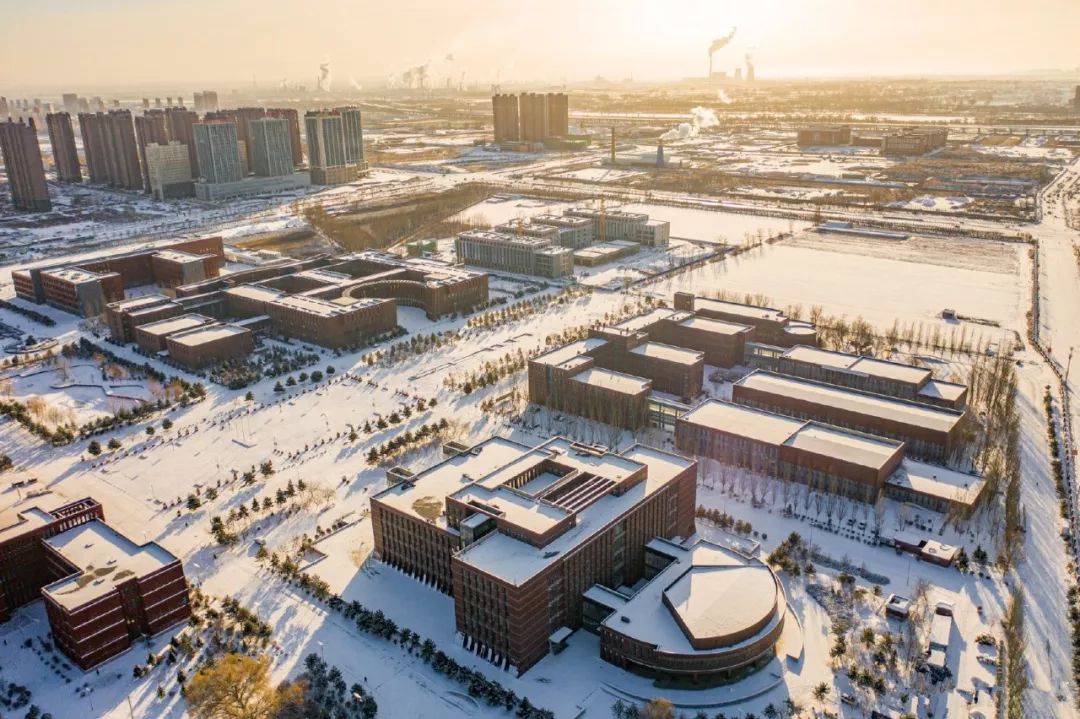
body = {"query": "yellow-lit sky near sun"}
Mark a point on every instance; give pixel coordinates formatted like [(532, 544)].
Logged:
[(50, 43)]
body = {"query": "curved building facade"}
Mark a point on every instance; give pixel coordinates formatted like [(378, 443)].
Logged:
[(709, 614)]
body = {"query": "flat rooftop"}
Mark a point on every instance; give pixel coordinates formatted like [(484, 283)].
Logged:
[(941, 390), (609, 379), (321, 307), (179, 256), (105, 558), (169, 326), (255, 292), (136, 303), (669, 353), (75, 275), (864, 403), (425, 495), (708, 324), (561, 355), (207, 334), (504, 238), (859, 449), (740, 421), (856, 364), (639, 323), (739, 309), (515, 561), (932, 480)]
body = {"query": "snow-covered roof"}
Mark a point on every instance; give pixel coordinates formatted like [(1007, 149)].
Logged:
[(743, 421), (558, 356), (863, 365), (849, 400), (515, 561), (255, 292), (178, 256), (711, 325), (609, 379), (425, 495), (739, 309), (709, 593), (939, 389), (163, 328), (105, 558), (668, 353), (206, 334), (639, 323), (324, 308), (932, 480), (852, 447)]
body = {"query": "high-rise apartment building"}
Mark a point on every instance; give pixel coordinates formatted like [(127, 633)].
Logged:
[(25, 171), (533, 111), (532, 117), (354, 135), (71, 103), (150, 127), (293, 118), (181, 123), (62, 139), (505, 111), (4, 107), (169, 171), (242, 117), (206, 101), (269, 146), (335, 145), (112, 155), (217, 148)]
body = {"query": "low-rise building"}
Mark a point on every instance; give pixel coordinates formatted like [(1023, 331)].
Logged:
[(602, 253), (930, 432), (248, 186), (722, 342), (153, 336), (86, 287), (102, 591), (824, 457), (824, 135), (868, 374), (208, 345), (174, 267), (915, 141), (771, 326), (517, 253), (518, 535), (706, 614), (124, 316), (332, 323)]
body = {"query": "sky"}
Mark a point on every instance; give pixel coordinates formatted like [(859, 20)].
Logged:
[(76, 44)]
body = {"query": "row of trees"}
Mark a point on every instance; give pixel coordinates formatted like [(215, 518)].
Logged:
[(407, 440), (377, 624)]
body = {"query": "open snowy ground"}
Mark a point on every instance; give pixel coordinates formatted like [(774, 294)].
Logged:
[(881, 280)]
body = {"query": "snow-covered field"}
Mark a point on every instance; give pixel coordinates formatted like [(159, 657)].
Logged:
[(304, 433), (881, 280)]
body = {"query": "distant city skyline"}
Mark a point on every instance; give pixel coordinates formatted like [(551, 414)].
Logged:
[(272, 41)]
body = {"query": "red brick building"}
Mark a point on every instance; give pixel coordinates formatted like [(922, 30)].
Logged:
[(932, 433), (102, 591), (85, 288), (771, 326), (518, 534)]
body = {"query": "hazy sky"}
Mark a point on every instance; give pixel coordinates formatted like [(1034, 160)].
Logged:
[(78, 43)]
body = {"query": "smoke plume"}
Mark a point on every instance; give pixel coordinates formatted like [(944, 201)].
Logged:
[(720, 42), (700, 119)]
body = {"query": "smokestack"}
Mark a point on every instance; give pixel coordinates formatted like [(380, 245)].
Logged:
[(717, 44), (613, 146)]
